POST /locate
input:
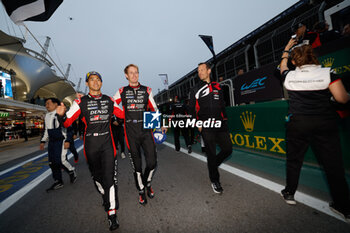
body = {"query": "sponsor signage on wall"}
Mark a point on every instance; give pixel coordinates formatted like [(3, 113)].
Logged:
[(257, 85), (4, 114)]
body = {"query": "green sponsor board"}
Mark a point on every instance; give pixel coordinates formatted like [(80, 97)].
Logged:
[(261, 128), (4, 114), (339, 61)]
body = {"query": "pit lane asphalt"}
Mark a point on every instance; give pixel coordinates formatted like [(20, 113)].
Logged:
[(184, 202)]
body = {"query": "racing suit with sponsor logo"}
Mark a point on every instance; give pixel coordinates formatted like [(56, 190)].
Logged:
[(56, 136), (135, 101), (207, 102), (99, 149)]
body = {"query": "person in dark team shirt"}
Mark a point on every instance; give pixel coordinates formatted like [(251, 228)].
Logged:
[(312, 122), (179, 112), (207, 103), (96, 111), (118, 134)]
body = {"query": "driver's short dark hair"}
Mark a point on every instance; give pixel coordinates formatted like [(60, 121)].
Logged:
[(204, 63), (53, 100)]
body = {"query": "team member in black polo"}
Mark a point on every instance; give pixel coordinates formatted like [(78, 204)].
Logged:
[(207, 102), (179, 112), (312, 121)]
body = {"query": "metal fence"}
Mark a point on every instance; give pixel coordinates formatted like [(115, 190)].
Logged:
[(269, 47), (266, 49), (231, 65)]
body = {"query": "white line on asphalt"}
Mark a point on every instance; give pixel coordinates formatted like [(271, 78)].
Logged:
[(4, 205), (21, 164), (27, 161), (308, 200)]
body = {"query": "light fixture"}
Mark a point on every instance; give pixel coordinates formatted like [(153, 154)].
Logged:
[(10, 110)]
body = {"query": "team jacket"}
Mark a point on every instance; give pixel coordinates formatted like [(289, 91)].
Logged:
[(207, 101), (96, 113), (135, 101), (53, 130)]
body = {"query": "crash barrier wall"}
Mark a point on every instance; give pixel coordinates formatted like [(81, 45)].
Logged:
[(260, 128)]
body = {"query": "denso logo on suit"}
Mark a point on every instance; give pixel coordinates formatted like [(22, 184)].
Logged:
[(99, 112), (135, 101)]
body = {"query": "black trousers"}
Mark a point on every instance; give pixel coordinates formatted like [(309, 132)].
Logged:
[(73, 150), (211, 139), (137, 138), (118, 137), (100, 155), (321, 133), (184, 132), (191, 135)]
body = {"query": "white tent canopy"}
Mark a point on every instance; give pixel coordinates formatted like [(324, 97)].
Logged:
[(32, 69)]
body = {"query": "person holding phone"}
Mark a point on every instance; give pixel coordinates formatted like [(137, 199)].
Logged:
[(313, 122)]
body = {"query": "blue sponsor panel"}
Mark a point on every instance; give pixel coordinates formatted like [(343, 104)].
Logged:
[(261, 84), (256, 84)]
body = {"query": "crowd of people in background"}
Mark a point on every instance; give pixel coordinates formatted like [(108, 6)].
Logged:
[(17, 131)]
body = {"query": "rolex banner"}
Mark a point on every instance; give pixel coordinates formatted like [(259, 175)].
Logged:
[(30, 10), (257, 85), (261, 128), (339, 61)]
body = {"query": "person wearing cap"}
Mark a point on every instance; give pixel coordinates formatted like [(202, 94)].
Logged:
[(301, 36), (304, 36), (96, 110)]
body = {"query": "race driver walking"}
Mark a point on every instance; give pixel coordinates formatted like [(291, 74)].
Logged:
[(136, 99), (96, 111)]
